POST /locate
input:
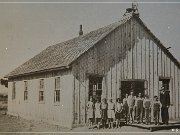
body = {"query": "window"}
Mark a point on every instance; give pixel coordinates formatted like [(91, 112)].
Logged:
[(13, 90), (57, 90), (25, 90), (95, 87), (41, 90)]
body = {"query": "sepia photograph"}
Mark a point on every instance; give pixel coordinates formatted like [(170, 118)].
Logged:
[(89, 67)]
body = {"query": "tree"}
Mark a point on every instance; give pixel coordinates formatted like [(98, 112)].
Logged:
[(4, 82)]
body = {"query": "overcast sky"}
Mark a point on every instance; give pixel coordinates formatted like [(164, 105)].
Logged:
[(27, 29)]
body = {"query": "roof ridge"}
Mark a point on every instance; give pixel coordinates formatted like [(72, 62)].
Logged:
[(159, 43), (122, 20), (67, 51)]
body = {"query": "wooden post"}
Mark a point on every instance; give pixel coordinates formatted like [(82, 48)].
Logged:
[(141, 55), (178, 92), (174, 91), (153, 67), (73, 102), (161, 64), (157, 60), (137, 70), (164, 64), (116, 61), (122, 48), (145, 57), (132, 44), (111, 81), (149, 67)]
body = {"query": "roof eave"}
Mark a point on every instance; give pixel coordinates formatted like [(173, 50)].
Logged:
[(37, 72), (159, 43)]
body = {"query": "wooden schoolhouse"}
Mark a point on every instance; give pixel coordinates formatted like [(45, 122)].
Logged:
[(55, 85)]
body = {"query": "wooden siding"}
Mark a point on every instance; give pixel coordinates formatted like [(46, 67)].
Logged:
[(48, 111), (41, 75), (128, 52)]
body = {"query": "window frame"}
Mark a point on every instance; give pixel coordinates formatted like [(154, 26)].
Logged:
[(13, 90), (25, 90), (41, 91), (57, 90)]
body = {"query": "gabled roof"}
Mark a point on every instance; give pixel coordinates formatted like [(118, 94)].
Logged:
[(61, 55), (159, 43)]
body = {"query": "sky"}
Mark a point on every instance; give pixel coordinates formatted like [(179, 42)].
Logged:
[(28, 28)]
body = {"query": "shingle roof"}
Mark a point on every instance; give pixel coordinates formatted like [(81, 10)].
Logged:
[(63, 54)]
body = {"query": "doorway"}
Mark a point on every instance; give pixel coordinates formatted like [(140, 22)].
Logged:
[(95, 87), (137, 86), (165, 82)]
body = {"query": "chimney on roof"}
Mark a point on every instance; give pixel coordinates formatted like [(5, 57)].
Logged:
[(80, 31), (133, 10)]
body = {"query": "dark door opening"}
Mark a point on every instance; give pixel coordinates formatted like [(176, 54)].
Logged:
[(137, 86), (95, 87), (165, 82)]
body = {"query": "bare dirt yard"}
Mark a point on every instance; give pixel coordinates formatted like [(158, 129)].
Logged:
[(17, 125)]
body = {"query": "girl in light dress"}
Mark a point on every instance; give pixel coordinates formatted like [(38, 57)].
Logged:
[(90, 111), (111, 113), (98, 113)]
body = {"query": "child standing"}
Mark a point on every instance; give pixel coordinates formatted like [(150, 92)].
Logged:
[(125, 107), (156, 109), (111, 113), (147, 106), (90, 111), (131, 103), (119, 110), (98, 112), (104, 107), (139, 108)]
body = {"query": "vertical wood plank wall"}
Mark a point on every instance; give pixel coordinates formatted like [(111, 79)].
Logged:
[(129, 52)]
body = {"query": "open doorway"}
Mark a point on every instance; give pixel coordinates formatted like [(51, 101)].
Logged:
[(164, 82), (95, 87), (135, 85)]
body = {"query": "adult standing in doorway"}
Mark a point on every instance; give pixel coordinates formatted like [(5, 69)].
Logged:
[(165, 101)]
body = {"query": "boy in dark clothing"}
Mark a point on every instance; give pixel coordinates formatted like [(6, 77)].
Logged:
[(104, 107), (156, 109)]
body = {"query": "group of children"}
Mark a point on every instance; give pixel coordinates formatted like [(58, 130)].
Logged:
[(131, 108)]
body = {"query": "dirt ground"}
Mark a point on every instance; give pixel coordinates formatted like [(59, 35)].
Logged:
[(16, 125)]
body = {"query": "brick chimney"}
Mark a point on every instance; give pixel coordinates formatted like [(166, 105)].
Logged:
[(80, 31)]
